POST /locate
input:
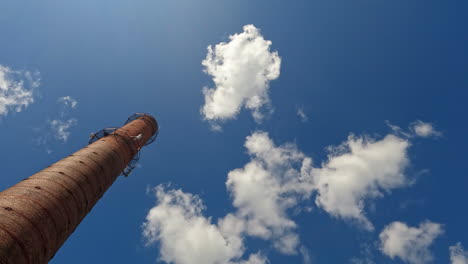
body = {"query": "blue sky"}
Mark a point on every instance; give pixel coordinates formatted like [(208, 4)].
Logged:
[(352, 67)]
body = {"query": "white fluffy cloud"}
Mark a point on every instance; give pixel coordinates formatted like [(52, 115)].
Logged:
[(358, 170), (458, 255), (187, 237), (275, 180), (411, 244), (423, 129), (241, 71), (16, 89)]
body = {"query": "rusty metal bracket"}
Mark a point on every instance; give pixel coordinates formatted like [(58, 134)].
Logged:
[(112, 131), (101, 134), (156, 129)]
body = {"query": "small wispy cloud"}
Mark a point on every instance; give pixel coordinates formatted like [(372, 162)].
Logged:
[(367, 255), (417, 128), (68, 101), (302, 115), (423, 129), (306, 259), (61, 128), (16, 89), (58, 128)]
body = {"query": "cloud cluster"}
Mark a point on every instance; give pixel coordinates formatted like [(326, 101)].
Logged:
[(411, 244), (241, 70), (271, 186), (16, 89), (275, 180), (458, 255), (187, 237)]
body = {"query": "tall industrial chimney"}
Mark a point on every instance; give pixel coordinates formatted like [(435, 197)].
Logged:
[(39, 213)]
